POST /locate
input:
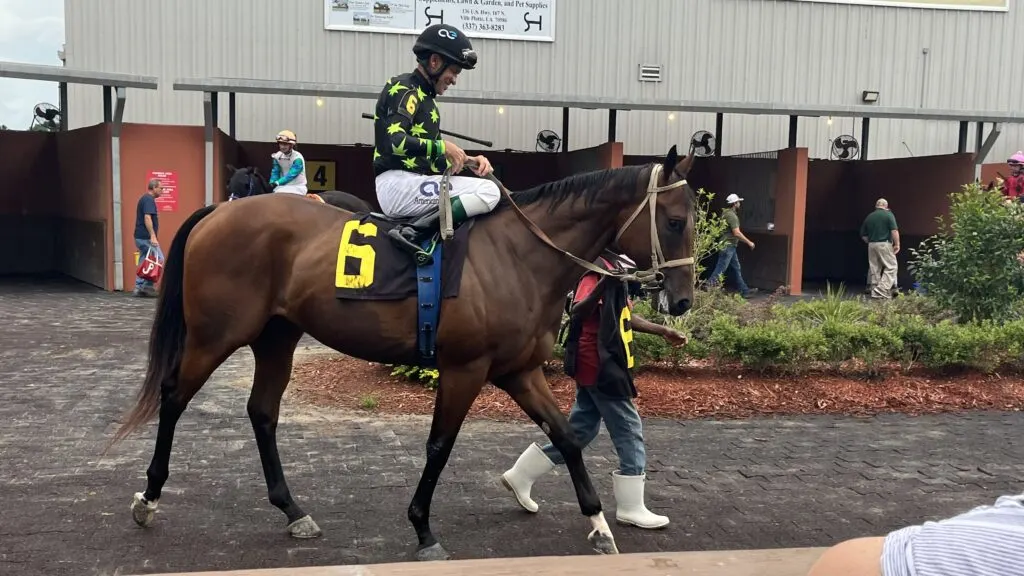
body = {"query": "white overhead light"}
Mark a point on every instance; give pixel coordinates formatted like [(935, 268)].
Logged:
[(869, 96)]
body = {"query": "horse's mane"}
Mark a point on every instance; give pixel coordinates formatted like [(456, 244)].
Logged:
[(597, 183)]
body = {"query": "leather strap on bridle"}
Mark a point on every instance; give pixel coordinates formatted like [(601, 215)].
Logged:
[(650, 277)]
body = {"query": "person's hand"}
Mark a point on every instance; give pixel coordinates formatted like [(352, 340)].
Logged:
[(154, 241), (455, 155), (751, 244), (675, 337), (896, 249), (483, 167)]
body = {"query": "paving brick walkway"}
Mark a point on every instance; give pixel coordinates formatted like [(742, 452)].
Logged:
[(70, 363)]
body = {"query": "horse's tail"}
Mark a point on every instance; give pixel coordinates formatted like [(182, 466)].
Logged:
[(167, 338)]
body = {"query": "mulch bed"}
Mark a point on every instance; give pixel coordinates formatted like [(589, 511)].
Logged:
[(673, 392)]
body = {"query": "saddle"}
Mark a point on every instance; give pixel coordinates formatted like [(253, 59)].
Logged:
[(372, 266)]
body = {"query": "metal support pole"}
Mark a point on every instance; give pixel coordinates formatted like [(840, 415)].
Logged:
[(231, 114), (216, 117), (979, 158), (565, 129), (979, 137), (719, 120), (108, 105), (63, 105), (209, 99), (611, 125), (793, 124), (115, 169), (961, 145), (865, 133)]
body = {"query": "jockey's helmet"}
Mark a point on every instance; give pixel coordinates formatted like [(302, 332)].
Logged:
[(1017, 158), (447, 42), (286, 136)]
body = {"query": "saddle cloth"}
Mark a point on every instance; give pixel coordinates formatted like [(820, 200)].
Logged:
[(371, 266)]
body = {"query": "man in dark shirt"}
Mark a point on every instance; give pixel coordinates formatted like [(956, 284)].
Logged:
[(880, 232), (598, 355), (410, 157), (147, 224)]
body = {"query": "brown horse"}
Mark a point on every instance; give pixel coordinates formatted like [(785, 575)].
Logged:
[(500, 328)]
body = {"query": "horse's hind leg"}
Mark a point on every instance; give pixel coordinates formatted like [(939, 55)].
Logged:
[(531, 392), (197, 364), (459, 387), (274, 350)]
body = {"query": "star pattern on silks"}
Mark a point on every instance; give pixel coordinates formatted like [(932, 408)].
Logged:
[(418, 129), (395, 128), (409, 163), (399, 150), (376, 154), (397, 88), (434, 116), (421, 94)]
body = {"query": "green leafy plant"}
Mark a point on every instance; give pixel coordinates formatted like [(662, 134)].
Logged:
[(428, 377), (971, 266), (708, 230)]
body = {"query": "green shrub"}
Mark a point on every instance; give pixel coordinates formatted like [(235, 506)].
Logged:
[(428, 377), (971, 266)]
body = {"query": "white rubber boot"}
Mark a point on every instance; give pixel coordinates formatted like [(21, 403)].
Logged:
[(629, 503), (531, 465)]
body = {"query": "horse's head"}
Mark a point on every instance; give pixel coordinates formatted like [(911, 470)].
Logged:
[(245, 182), (663, 233)]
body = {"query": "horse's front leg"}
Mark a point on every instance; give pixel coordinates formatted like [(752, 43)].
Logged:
[(531, 391), (458, 388)]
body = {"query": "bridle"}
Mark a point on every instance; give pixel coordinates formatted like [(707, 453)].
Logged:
[(649, 279), (250, 186)]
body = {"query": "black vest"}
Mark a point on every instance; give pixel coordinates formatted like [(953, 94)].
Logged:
[(614, 344)]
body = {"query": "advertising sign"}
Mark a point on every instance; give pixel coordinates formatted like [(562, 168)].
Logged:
[(986, 5), (168, 201), (532, 20)]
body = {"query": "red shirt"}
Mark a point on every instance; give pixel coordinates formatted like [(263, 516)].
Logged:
[(1013, 186), (587, 361)]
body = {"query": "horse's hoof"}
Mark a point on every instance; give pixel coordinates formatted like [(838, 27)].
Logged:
[(304, 528), (602, 543), (432, 553), (143, 511)]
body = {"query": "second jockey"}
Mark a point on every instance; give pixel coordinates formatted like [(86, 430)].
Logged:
[(288, 175), (410, 157)]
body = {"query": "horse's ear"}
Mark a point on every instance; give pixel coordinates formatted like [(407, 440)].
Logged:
[(683, 168), (231, 168), (670, 161)]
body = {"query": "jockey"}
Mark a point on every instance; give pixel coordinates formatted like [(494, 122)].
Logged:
[(410, 157), (1013, 186), (288, 174)]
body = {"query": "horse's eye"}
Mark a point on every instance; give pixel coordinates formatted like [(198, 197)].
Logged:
[(675, 225)]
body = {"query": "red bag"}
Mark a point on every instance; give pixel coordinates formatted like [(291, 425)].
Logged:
[(151, 267)]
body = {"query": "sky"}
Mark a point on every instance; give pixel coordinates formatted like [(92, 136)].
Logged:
[(31, 31)]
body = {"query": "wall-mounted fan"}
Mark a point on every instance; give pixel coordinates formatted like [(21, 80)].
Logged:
[(844, 147), (703, 143), (46, 118), (548, 141)]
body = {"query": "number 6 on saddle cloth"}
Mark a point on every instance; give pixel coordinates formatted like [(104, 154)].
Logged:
[(371, 266)]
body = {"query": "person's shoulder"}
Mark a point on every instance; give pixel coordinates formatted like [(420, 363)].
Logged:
[(298, 154), (277, 155), (399, 83)]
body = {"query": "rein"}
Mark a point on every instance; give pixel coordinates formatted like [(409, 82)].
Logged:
[(650, 279)]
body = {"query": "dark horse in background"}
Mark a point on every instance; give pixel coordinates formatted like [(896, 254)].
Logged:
[(500, 329), (249, 181)]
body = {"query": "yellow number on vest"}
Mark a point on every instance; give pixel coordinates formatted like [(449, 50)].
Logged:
[(363, 253), (627, 334)]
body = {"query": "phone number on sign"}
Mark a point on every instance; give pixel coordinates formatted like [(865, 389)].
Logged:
[(477, 27)]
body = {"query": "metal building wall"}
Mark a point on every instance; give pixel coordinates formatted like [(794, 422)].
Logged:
[(778, 51)]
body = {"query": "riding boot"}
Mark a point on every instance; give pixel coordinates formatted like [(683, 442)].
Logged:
[(410, 235)]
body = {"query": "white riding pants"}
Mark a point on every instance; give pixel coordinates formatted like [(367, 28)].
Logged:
[(290, 189), (405, 194)]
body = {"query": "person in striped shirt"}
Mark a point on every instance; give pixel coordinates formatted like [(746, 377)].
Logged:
[(984, 541)]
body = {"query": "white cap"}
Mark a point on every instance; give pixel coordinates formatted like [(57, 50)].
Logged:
[(732, 199)]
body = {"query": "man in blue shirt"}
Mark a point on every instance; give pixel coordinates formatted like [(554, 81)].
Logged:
[(147, 224)]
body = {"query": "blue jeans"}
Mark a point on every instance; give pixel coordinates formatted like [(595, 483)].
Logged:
[(728, 259), (620, 418), (144, 246)]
